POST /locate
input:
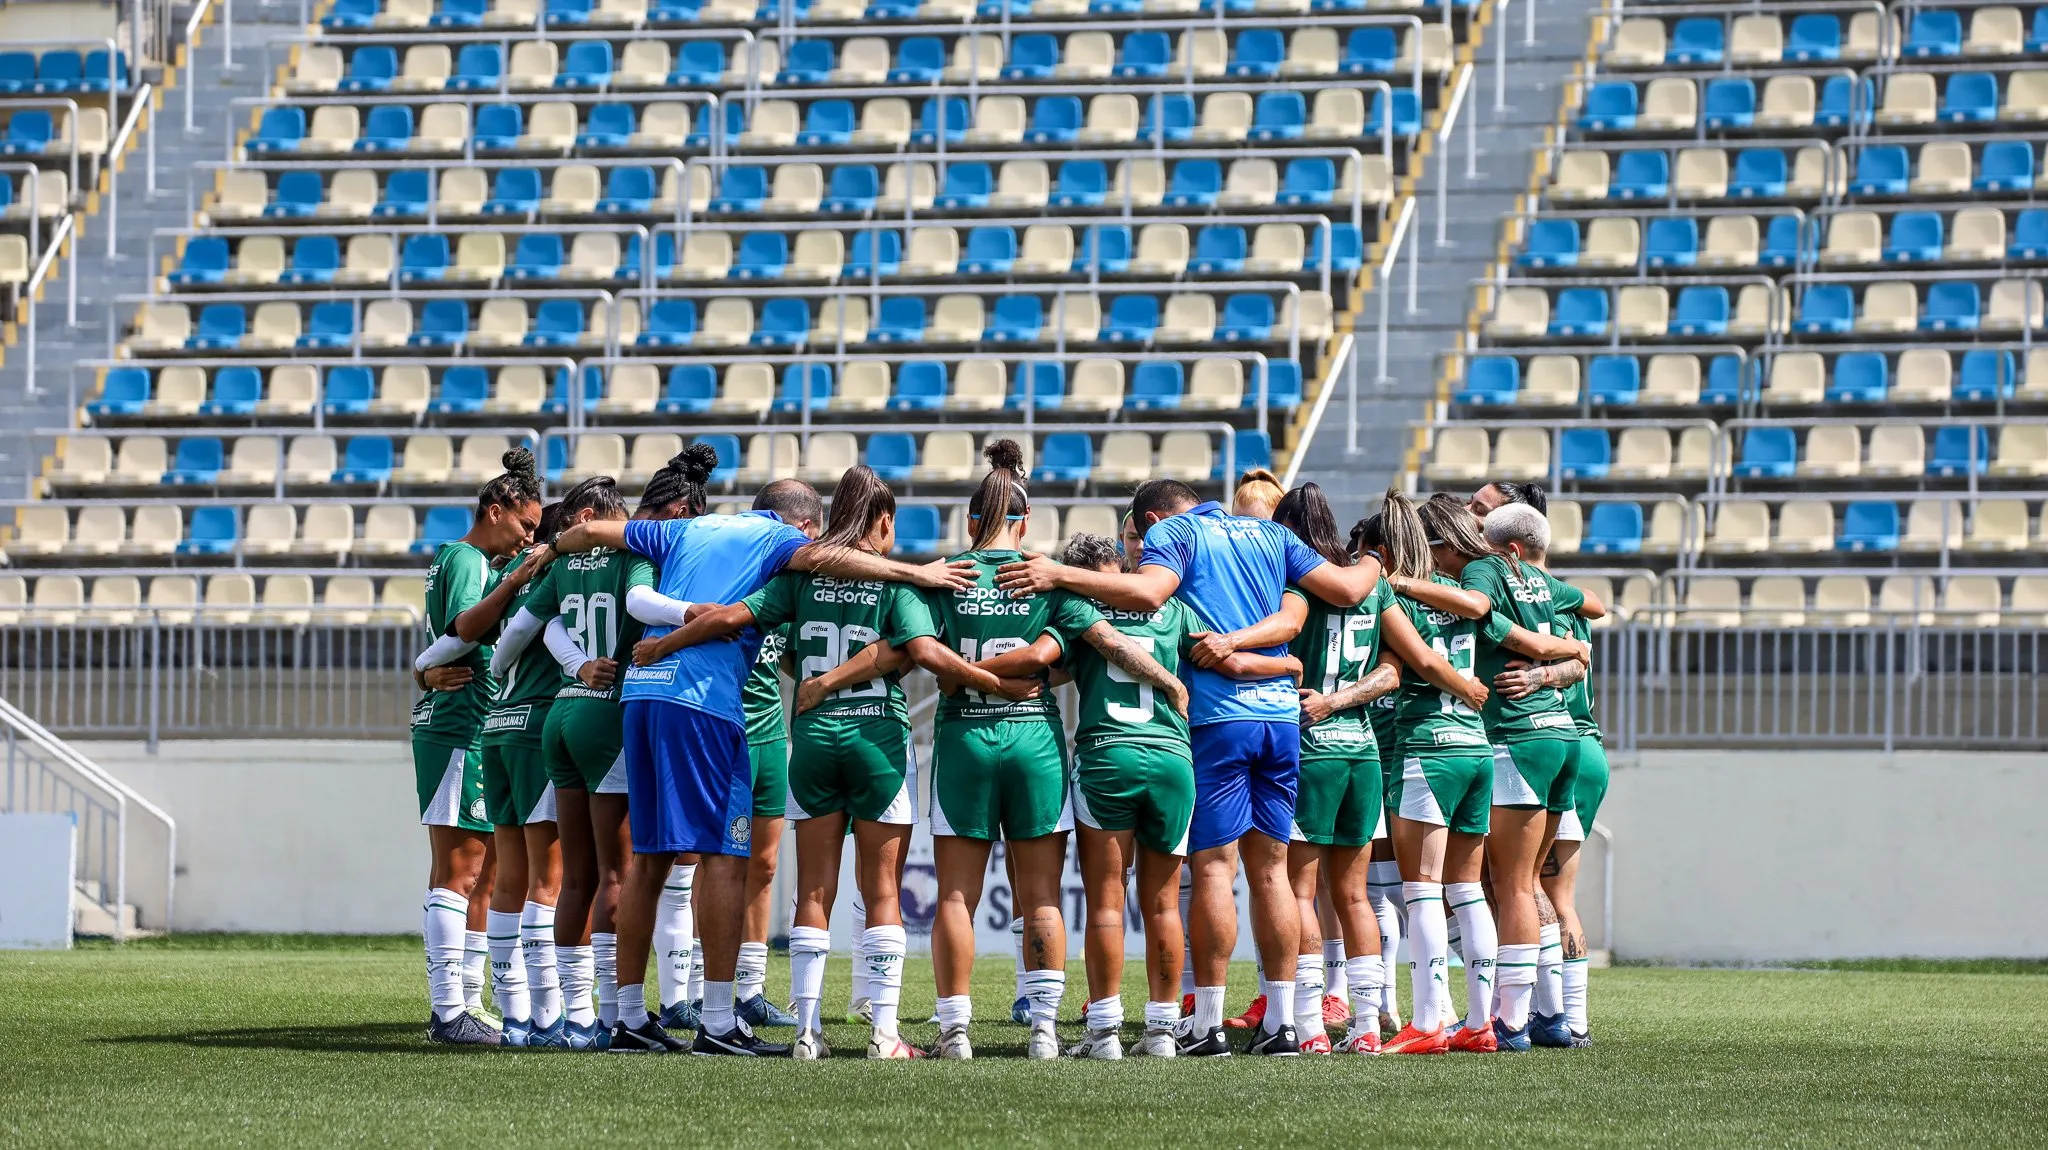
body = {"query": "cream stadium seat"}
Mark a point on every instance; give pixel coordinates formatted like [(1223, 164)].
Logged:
[(1831, 451), (884, 123), (1093, 519), (115, 600), (863, 386), (1022, 184), (1612, 242), (100, 529), (1190, 318), (1097, 385), (327, 532), (1853, 239), (819, 254), (1931, 524), (477, 460), (1277, 249), (1897, 449), (1909, 100), (1670, 104), (1337, 114), (1995, 31), (2026, 97), (631, 389), (829, 455), (460, 193), (760, 71), (705, 256), (317, 70), (55, 601), (1972, 600), (171, 598), (1048, 250), (160, 327), (1907, 598), (574, 191), (665, 126), (405, 389), (287, 601), (1215, 385), (774, 124), (1521, 453), (1673, 527), (154, 532), (728, 322), (957, 319), (593, 256), (83, 461), (1925, 375), (1889, 307), (268, 529), (1551, 381), (1842, 601), (428, 460), (1580, 175), (747, 389), (918, 182), (1796, 377), (1642, 311), (349, 600), (1760, 311), (141, 460), (2022, 451), (1943, 169), (1142, 181), (1600, 587), (388, 530), (1805, 527), (242, 195), (946, 457), (643, 64), (1078, 316), (1641, 453), (1311, 52), (863, 60), (1206, 49), (1976, 234), (1700, 174), (770, 456), (334, 128), (1567, 526), (2013, 305), (840, 318), (1042, 530), (1777, 601), (13, 597), (387, 323), (1998, 525), (1741, 527), (500, 323), (179, 393), (550, 127), (596, 453), (258, 260), (39, 530), (366, 260), (977, 58), (1731, 242), (1711, 601), (1813, 175), (1788, 102), (426, 69), (534, 64), (998, 120), (932, 252), (980, 385), (403, 14), (2029, 607), (402, 599), (252, 462), (1673, 380), (1186, 455), (1226, 118), (1519, 313), (275, 326), (1638, 42), (1162, 251), (351, 196), (230, 599), (1371, 179), (1125, 457), (650, 453)]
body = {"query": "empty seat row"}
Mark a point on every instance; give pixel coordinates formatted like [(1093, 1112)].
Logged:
[(386, 324), (1683, 379), (258, 461), (1752, 38), (230, 599), (62, 72), (1701, 173), (1810, 526), (1667, 379), (1845, 239), (1941, 168), (385, 15), (1846, 601), (1738, 103), (1472, 454), (1917, 375), (1893, 307), (1893, 450), (53, 132), (1622, 528), (1914, 99), (1969, 235), (1703, 311), (325, 531)]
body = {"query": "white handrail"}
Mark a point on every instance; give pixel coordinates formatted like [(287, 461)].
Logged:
[(189, 79), (114, 150), (1345, 359), (1386, 268), (1443, 149), (33, 288)]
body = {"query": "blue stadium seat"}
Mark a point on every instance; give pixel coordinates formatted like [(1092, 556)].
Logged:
[(1144, 56), (31, 130), (351, 15), (568, 13), (791, 397), (1842, 102), (783, 323), (558, 400), (919, 60), (350, 388), (221, 327), (464, 390), (498, 127), (921, 385), (919, 529), (1194, 184), (1640, 175), (1701, 310), (1257, 54), (900, 319), (388, 128), (966, 187), (17, 72), (1827, 309), (538, 256), (2037, 32), (1491, 379), (458, 14), (236, 392), (59, 70), (1723, 385), (1253, 448), (989, 251), (330, 325), (1131, 319), (1969, 98), (1768, 453), (104, 72), (1032, 57), (514, 192), (1758, 172), (1015, 319), (280, 130), (1550, 243), (1105, 248), (629, 190), (760, 255), (1695, 40), (297, 195), (205, 261), (1370, 52), (2005, 166), (1671, 242), (1729, 102), (122, 392), (1172, 118), (891, 455), (1347, 248), (735, 123), (1950, 306), (851, 188), (1054, 120), (1914, 237), (729, 455), (1613, 529), (690, 390), (1935, 32), (861, 262), (1156, 385), (1958, 452), (1282, 381), (478, 68), (2029, 239), (1609, 106), (586, 64), (370, 69), (1219, 250), (1859, 377), (365, 459), (1065, 457), (697, 64), (742, 188), (1407, 113), (1247, 317), (1040, 385), (1579, 311), (212, 530), (1584, 453), (1311, 180), (1813, 36), (1275, 116), (670, 323), (1782, 242), (423, 258), (556, 323), (1614, 379), (1869, 526), (1080, 184), (957, 116), (443, 323), (441, 526), (1986, 375), (811, 62), (606, 126)]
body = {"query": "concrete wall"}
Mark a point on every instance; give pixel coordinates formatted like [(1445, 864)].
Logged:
[(1718, 856)]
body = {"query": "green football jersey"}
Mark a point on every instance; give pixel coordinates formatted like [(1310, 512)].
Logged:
[(1520, 595), (1118, 709), (520, 705), (1566, 621), (831, 620), (1337, 646), (589, 592), (761, 694), (460, 576), (984, 621), (1429, 719)]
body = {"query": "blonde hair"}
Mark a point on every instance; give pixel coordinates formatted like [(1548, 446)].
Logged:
[(1258, 493)]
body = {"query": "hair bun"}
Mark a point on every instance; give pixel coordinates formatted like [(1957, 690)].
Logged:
[(1005, 455), (696, 462), (519, 462)]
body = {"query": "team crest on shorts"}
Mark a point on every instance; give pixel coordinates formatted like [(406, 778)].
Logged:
[(741, 830), (476, 809)]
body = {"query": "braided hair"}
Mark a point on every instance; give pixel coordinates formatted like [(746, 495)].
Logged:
[(677, 490), (517, 487)]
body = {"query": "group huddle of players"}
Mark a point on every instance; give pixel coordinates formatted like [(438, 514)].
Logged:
[(1387, 734)]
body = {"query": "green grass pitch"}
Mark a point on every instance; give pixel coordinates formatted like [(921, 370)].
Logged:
[(278, 1041)]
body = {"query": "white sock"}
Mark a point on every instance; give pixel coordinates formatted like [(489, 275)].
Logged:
[(675, 934), (809, 948), (632, 1006), (751, 975), (1162, 1016), (1308, 995), (860, 968), (1279, 1004), (508, 969), (1017, 952), (1550, 972), (604, 954), (1517, 983), (1428, 950), (1454, 931), (882, 950), (718, 1015), (696, 990), (1364, 975), (579, 979), (1187, 939), (1383, 885), (444, 913), (1208, 1009), (476, 964), (1575, 994), (1108, 1013), (955, 1010), (537, 952), (1044, 989), (1336, 968), (1481, 947)]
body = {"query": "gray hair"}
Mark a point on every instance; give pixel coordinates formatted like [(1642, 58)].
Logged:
[(1519, 523), (1092, 552)]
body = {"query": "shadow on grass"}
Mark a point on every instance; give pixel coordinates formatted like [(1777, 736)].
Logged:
[(363, 1038)]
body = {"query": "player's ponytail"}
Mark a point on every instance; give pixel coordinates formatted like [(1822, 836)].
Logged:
[(1404, 542), (1307, 513), (553, 518), (1002, 498), (677, 490), (598, 495), (517, 487), (858, 504), (1367, 535), (1452, 524)]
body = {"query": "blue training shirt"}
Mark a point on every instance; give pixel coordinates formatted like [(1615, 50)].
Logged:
[(709, 559), (1232, 570)]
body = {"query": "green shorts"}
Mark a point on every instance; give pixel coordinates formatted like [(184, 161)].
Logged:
[(1588, 792), (1000, 779), (1337, 802), (583, 745), (857, 765), (771, 777), (450, 782), (1535, 773), (1148, 788), (516, 786), (1451, 789)]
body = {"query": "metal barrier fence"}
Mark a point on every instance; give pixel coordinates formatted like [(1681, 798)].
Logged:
[(1882, 686)]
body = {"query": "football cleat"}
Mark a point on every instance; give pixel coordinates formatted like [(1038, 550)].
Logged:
[(553, 1036), (1020, 1011), (1360, 1042), (738, 1042), (1104, 1045), (1279, 1043), (646, 1038), (861, 1010), (1581, 1039), (1336, 1011), (1253, 1015), (1473, 1040), (758, 1011), (1044, 1044), (592, 1035), (1550, 1030), (1413, 1041), (1156, 1044), (890, 1047), (517, 1032), (1318, 1043), (681, 1016), (953, 1045), (1210, 1045), (464, 1029), (809, 1047), (1187, 1005), (1515, 1041)]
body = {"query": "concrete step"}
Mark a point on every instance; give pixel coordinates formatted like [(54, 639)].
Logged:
[(89, 919)]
